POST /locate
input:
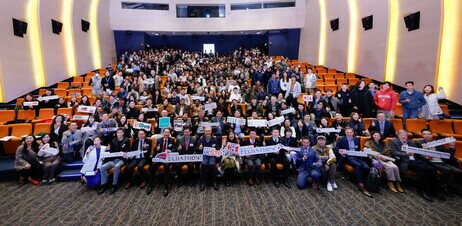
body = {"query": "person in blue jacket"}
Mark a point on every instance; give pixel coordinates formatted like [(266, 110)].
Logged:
[(412, 101), (309, 165)]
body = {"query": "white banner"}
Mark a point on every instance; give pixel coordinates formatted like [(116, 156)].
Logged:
[(142, 125), (288, 111), (276, 121), (121, 154), (237, 121), (7, 138), (439, 142), (210, 106), (86, 129), (175, 157), (149, 81), (327, 130), (200, 98), (426, 152), (53, 97), (211, 124), (257, 122), (356, 153), (30, 103), (110, 129), (148, 109), (80, 117), (374, 153), (210, 151), (86, 109), (251, 150)]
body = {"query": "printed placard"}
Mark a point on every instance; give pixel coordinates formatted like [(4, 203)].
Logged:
[(210, 106), (53, 97), (200, 98), (288, 111), (178, 125), (257, 122), (327, 130), (148, 109), (420, 151), (30, 103), (355, 153), (164, 122), (142, 125), (80, 117), (307, 98), (372, 152), (175, 157), (86, 109), (276, 121), (251, 150), (110, 129), (439, 142), (237, 121)]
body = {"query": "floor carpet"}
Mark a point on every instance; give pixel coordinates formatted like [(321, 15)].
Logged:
[(70, 203)]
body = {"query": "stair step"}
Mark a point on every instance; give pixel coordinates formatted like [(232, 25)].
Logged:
[(74, 165), (69, 175)]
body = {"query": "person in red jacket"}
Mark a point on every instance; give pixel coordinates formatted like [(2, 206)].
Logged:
[(386, 100)]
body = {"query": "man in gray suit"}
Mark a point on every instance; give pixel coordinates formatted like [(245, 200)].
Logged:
[(426, 174), (186, 145), (72, 143)]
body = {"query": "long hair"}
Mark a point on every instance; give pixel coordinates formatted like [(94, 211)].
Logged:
[(35, 145)]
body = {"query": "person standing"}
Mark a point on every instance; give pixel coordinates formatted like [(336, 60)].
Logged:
[(208, 163), (412, 101), (293, 92), (386, 100), (432, 109)]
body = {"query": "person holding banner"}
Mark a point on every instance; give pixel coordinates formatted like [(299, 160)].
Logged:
[(356, 123), (118, 144), (220, 129), (102, 129), (197, 123), (377, 144), (289, 141), (329, 166), (72, 143), (186, 145), (451, 176), (165, 144), (253, 162), (277, 158), (238, 129), (30, 103), (309, 165), (48, 103), (150, 106), (360, 164), (131, 111), (208, 163), (61, 104), (230, 162), (139, 144), (330, 137)]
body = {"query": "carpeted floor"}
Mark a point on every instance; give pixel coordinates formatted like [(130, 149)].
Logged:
[(70, 203)]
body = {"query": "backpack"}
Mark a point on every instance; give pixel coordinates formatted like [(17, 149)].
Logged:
[(373, 180)]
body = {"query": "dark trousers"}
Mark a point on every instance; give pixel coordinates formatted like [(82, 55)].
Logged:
[(153, 169), (177, 167), (49, 168), (361, 168), (208, 166), (292, 101), (451, 174), (273, 160), (140, 163), (427, 178), (35, 172)]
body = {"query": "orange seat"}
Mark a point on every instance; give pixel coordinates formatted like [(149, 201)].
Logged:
[(399, 110), (65, 111), (330, 82), (444, 108), (42, 128), (46, 113), (397, 123), (457, 126), (77, 92), (441, 126), (26, 115), (78, 79), (339, 75), (41, 92), (76, 84), (350, 75), (19, 101), (352, 81), (4, 130), (87, 91), (63, 85), (367, 121), (21, 129), (331, 70), (60, 92), (362, 142), (329, 76), (340, 81), (415, 125), (7, 115)]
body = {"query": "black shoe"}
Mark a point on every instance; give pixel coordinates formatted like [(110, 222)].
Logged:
[(113, 190), (287, 184), (179, 184), (165, 192), (202, 186), (425, 196), (276, 184), (149, 190), (102, 190), (440, 196), (448, 192), (215, 185), (192, 183)]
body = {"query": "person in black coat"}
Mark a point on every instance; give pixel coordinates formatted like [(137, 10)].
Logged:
[(320, 112), (108, 83), (362, 100), (383, 126), (141, 144), (280, 157), (345, 102), (131, 111), (253, 162)]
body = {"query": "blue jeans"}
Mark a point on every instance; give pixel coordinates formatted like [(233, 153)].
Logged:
[(302, 177), (360, 166), (410, 113), (117, 164)]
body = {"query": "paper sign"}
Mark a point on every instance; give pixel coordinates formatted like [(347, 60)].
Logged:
[(80, 117), (53, 97), (110, 129), (209, 151), (210, 106), (232, 147), (327, 130), (142, 125), (308, 98), (164, 122), (86, 109), (288, 111), (178, 125), (121, 154), (149, 81), (420, 151), (356, 153), (251, 150), (439, 142), (237, 121), (211, 124), (371, 152), (257, 122), (200, 98), (175, 157), (86, 129), (30, 103), (276, 121), (148, 109)]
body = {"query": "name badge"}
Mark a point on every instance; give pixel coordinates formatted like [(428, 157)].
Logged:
[(213, 145), (170, 145), (191, 145)]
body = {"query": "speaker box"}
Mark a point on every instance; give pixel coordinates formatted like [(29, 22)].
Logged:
[(56, 26), (85, 25), (367, 22), (334, 24), (412, 21), (19, 27)]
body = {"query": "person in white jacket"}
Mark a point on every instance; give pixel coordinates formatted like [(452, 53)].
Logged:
[(310, 82), (92, 158), (432, 110), (293, 92)]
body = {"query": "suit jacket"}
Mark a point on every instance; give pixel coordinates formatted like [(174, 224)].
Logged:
[(135, 144), (192, 147), (115, 147), (258, 143), (185, 110), (388, 131), (169, 108), (270, 142), (401, 157), (108, 83), (171, 145), (342, 143), (439, 148), (269, 107), (78, 140)]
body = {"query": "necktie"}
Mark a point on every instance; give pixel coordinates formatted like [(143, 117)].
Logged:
[(140, 147), (187, 144), (382, 127), (165, 145)]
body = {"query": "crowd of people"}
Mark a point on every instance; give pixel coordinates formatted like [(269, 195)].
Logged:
[(245, 85)]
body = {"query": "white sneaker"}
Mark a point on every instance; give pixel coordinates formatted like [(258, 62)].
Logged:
[(329, 186), (334, 185)]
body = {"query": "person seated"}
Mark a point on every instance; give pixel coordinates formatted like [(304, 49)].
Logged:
[(329, 166), (165, 144), (274, 158), (49, 160), (198, 124), (360, 164), (300, 129), (187, 145), (290, 141), (166, 106), (238, 129), (376, 143), (182, 108), (385, 127), (208, 163), (106, 122), (230, 163), (357, 125), (58, 126), (253, 162), (139, 144), (330, 137), (319, 111), (426, 174), (119, 144), (309, 164), (93, 152), (26, 161), (451, 175), (131, 111), (338, 123), (72, 143)]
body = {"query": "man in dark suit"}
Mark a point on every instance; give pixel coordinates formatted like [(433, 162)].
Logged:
[(140, 144), (450, 175), (426, 174), (360, 165), (108, 83), (186, 145), (181, 109), (272, 106), (275, 158), (208, 163), (385, 127), (253, 162), (164, 144)]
